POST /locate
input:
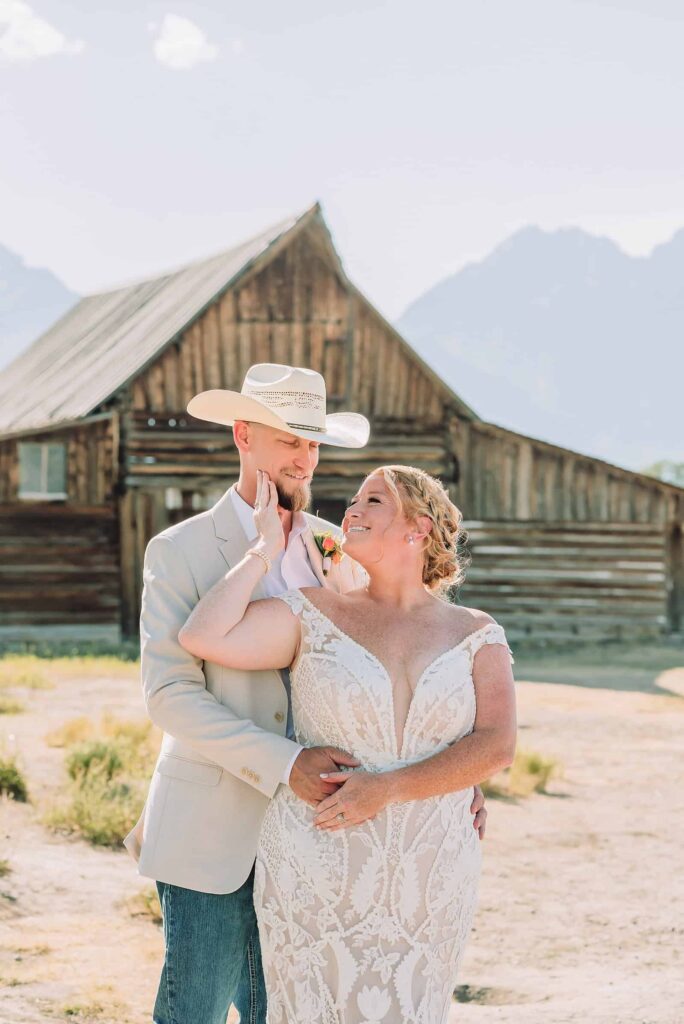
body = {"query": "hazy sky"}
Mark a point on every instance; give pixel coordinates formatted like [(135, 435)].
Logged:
[(136, 136)]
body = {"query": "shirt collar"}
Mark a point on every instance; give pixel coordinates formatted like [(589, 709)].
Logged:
[(245, 514)]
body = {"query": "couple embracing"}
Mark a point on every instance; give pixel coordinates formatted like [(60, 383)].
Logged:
[(314, 820)]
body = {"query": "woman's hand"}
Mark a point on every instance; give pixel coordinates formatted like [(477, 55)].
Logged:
[(266, 519), (360, 797)]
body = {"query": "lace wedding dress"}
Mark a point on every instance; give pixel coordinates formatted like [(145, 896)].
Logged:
[(367, 925)]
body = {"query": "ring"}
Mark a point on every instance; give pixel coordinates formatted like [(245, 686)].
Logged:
[(340, 816)]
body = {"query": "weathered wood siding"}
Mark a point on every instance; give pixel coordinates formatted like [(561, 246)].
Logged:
[(92, 457), (296, 310), (507, 476), (59, 572), (565, 580)]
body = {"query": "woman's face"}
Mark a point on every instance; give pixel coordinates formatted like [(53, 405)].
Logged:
[(373, 527)]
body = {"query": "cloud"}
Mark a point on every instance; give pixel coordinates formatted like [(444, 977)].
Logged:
[(181, 44), (25, 36)]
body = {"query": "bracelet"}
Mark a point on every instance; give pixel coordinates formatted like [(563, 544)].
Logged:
[(264, 558)]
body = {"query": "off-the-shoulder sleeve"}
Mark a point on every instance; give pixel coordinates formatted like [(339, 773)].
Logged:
[(492, 633), (294, 599)]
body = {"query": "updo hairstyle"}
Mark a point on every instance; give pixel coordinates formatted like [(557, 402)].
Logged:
[(419, 494)]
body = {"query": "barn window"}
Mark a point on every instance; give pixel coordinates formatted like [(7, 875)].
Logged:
[(42, 471)]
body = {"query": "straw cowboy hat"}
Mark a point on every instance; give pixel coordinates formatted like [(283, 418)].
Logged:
[(288, 398)]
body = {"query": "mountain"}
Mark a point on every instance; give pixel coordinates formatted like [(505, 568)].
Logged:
[(563, 336), (30, 300)]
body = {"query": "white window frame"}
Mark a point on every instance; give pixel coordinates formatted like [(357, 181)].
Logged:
[(43, 495)]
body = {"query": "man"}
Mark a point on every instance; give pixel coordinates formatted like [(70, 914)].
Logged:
[(228, 737)]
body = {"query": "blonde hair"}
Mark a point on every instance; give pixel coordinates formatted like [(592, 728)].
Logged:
[(419, 494)]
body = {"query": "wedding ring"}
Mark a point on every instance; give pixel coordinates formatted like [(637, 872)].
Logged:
[(340, 816)]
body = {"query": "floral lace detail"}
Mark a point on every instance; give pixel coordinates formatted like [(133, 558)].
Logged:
[(367, 925)]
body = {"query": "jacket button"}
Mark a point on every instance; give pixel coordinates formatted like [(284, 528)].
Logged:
[(279, 716), (244, 771)]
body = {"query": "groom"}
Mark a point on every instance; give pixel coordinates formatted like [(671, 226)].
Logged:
[(228, 738)]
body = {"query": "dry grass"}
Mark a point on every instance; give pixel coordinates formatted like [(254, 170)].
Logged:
[(530, 773), (95, 1007), (5, 868), (109, 765), (25, 672), (37, 950), (83, 730), (145, 904), (30, 671), (9, 706)]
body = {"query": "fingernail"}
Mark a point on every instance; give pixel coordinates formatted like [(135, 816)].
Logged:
[(323, 775)]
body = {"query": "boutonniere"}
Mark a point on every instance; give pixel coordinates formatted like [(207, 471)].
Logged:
[(329, 548)]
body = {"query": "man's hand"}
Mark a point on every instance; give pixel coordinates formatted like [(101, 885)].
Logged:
[(305, 777), (480, 811)]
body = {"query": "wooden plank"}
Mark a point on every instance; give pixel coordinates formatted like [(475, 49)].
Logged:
[(210, 334)]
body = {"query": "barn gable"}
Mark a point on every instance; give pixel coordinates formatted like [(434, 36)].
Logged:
[(108, 340)]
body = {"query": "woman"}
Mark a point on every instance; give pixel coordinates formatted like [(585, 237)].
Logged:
[(365, 901)]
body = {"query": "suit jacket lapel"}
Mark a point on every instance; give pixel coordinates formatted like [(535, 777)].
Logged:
[(315, 557), (231, 537)]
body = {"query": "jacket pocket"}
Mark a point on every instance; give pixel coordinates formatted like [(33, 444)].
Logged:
[(190, 771)]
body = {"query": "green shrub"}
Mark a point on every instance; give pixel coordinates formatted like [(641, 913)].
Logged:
[(109, 775), (102, 809), (12, 782), (101, 755), (530, 772)]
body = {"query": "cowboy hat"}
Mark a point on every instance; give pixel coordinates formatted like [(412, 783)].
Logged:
[(288, 398)]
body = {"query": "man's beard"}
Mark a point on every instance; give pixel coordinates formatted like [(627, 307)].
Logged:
[(298, 501)]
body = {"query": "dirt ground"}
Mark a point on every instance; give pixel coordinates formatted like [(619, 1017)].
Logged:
[(582, 900)]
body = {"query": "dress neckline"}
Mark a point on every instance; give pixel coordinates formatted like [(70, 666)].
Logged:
[(385, 672)]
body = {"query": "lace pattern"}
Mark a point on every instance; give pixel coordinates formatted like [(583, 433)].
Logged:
[(368, 924)]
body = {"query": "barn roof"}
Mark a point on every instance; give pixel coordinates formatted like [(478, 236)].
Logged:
[(107, 340)]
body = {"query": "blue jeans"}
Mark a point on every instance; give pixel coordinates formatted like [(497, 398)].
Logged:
[(212, 959)]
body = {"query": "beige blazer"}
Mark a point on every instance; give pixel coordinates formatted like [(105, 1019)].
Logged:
[(224, 749)]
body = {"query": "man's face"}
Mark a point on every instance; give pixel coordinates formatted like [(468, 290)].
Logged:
[(290, 462)]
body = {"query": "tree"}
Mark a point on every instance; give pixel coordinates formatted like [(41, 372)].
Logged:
[(670, 472)]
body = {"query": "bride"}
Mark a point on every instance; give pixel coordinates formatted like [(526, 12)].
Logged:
[(365, 901)]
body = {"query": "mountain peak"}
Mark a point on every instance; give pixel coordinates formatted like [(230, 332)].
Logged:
[(562, 335), (532, 240), (31, 298)]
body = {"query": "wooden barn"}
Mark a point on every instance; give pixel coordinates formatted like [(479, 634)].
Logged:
[(97, 453)]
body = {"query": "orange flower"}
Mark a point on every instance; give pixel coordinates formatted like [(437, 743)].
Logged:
[(328, 544), (336, 557)]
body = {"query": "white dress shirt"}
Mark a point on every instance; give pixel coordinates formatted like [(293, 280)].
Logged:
[(291, 570)]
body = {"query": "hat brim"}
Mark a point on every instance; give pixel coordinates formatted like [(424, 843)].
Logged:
[(342, 429)]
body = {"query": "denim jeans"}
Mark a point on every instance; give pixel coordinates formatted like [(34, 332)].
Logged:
[(212, 959)]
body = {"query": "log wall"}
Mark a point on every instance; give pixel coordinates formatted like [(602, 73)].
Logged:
[(59, 572), (563, 581)]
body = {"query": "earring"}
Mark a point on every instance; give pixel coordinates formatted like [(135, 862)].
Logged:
[(411, 539)]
